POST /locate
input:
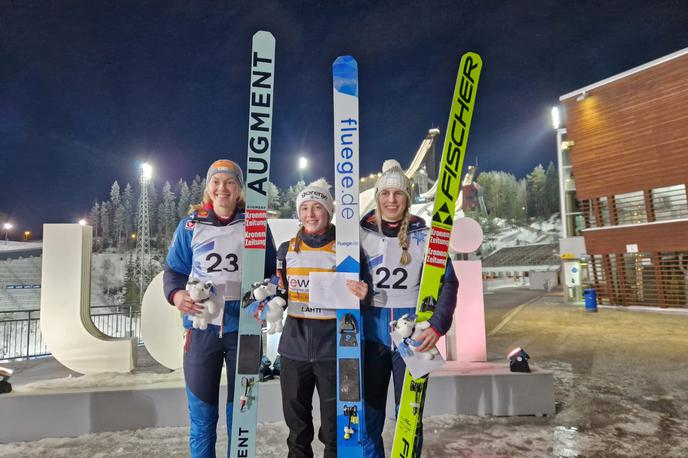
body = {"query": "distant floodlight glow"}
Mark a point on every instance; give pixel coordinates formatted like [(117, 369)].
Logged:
[(82, 222), (303, 163), (556, 118), (146, 171), (7, 226)]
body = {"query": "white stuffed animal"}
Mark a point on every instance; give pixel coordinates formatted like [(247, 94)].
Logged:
[(409, 330), (202, 293), (273, 309)]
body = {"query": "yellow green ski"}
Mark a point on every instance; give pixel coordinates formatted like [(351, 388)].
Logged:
[(410, 417)]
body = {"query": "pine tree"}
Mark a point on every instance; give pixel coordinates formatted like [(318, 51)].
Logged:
[(116, 215), (94, 218), (289, 207), (551, 190), (129, 205), (196, 190), (168, 216), (536, 192), (274, 197), (105, 224), (184, 199)]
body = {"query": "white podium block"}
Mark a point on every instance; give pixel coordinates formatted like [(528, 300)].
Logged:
[(66, 323)]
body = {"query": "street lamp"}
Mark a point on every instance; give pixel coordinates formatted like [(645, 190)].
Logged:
[(82, 222), (303, 163), (556, 118), (7, 227)]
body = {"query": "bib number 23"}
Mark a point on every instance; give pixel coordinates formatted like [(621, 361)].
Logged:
[(231, 264)]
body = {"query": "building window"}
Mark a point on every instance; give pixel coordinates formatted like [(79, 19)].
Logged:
[(604, 210), (630, 208), (670, 202)]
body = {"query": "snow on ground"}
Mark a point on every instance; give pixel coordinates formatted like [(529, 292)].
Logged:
[(105, 379), (617, 395), (18, 246)]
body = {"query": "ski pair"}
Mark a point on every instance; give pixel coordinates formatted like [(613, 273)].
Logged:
[(245, 407), (409, 427)]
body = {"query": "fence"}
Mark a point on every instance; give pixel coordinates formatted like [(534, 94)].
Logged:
[(20, 331)]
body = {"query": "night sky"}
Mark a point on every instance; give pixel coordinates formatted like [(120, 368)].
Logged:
[(88, 89)]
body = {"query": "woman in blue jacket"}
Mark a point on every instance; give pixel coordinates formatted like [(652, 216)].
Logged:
[(208, 246), (395, 242)]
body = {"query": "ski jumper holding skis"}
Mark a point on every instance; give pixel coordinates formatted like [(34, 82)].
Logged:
[(208, 245), (307, 346), (394, 242)]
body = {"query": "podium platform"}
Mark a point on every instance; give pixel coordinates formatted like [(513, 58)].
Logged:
[(457, 389)]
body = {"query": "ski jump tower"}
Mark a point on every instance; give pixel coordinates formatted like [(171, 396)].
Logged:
[(143, 249)]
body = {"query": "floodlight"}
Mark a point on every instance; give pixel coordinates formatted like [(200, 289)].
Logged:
[(518, 360)]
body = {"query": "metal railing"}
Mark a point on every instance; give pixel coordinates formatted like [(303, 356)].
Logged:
[(20, 331)]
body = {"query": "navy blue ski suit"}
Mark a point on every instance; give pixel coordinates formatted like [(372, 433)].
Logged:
[(205, 247)]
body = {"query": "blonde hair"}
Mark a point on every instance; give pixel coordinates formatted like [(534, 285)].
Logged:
[(403, 231), (298, 240)]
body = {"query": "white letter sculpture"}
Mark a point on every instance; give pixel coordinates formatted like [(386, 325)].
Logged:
[(66, 323), (161, 327)]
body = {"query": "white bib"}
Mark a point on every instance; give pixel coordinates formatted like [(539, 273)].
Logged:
[(217, 252), (394, 285)]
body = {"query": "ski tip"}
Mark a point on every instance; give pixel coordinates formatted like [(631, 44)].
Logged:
[(473, 58), (345, 75), (264, 35), (348, 60)]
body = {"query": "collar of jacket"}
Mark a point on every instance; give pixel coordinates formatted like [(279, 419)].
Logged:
[(207, 216), (368, 222), (319, 240)]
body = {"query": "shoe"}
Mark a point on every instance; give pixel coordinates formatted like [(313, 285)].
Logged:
[(276, 367), (265, 373), (5, 387)]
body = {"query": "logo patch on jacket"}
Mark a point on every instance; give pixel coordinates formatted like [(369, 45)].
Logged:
[(190, 225)]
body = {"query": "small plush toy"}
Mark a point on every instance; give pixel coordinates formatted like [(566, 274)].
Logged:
[(203, 294), (265, 293), (407, 328)]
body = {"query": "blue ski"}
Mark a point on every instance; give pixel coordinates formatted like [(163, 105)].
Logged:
[(350, 405)]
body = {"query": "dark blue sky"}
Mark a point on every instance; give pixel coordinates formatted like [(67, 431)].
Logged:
[(88, 88)]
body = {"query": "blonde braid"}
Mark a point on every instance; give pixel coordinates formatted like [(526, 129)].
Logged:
[(299, 238), (403, 239)]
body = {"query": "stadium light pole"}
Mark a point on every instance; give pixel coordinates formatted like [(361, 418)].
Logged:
[(7, 227), (303, 164)]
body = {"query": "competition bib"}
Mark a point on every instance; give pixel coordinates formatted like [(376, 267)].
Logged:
[(395, 286), (217, 254)]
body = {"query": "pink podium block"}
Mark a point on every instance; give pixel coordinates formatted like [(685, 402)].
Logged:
[(469, 317)]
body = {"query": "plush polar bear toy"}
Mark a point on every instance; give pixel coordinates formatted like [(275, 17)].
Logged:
[(273, 309), (203, 294), (407, 328)]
